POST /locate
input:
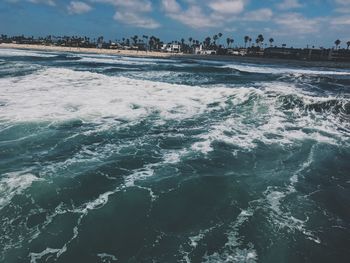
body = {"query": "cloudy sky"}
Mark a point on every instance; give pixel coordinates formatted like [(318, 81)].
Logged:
[(294, 22)]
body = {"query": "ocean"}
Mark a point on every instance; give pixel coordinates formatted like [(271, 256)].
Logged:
[(119, 159)]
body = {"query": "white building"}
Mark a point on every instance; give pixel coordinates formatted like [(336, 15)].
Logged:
[(239, 52), (173, 48), (199, 50)]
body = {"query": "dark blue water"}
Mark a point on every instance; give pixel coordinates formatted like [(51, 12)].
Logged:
[(116, 159)]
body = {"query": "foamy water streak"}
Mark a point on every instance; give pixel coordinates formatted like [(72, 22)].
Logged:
[(281, 70), (25, 53)]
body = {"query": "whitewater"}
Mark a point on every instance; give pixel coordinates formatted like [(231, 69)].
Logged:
[(119, 159)]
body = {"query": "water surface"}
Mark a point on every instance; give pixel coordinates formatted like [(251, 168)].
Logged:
[(116, 159)]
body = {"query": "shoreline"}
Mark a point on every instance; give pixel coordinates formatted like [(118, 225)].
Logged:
[(157, 54), (130, 53)]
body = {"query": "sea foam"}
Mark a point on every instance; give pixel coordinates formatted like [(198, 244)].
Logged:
[(13, 184), (25, 53), (61, 94), (281, 70), (57, 94)]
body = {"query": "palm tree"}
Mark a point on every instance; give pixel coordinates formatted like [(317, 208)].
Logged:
[(207, 42), (228, 41), (134, 38), (158, 43), (257, 41), (215, 38), (219, 35), (190, 39), (151, 42), (145, 38), (246, 39), (261, 39), (271, 41), (348, 44), (337, 43)]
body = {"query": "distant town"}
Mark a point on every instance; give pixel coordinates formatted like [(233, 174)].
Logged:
[(215, 45)]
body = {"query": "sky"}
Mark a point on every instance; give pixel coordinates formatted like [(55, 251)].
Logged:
[(296, 23)]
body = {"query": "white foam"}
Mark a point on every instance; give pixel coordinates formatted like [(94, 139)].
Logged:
[(139, 175), (280, 70), (110, 59), (115, 60), (37, 256), (283, 218), (232, 250), (58, 94), (24, 53), (17, 67), (51, 94), (13, 184), (107, 258), (271, 125), (174, 156)]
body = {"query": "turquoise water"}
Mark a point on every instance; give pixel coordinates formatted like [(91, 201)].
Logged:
[(115, 159)]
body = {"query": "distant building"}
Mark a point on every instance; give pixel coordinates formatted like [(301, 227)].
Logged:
[(173, 48), (113, 45), (199, 50), (209, 52), (237, 52)]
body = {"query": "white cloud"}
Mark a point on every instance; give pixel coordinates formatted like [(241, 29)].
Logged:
[(203, 14), (296, 24), (132, 12), (139, 6), (342, 20), (47, 2), (263, 14), (289, 4), (227, 6), (343, 6), (136, 20), (194, 17), (77, 7), (171, 6)]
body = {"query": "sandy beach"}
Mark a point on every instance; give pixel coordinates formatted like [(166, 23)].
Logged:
[(92, 50)]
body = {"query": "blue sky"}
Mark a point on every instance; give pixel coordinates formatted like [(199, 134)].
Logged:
[(294, 22)]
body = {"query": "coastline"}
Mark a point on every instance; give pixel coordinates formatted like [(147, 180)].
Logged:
[(156, 54), (130, 53)]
